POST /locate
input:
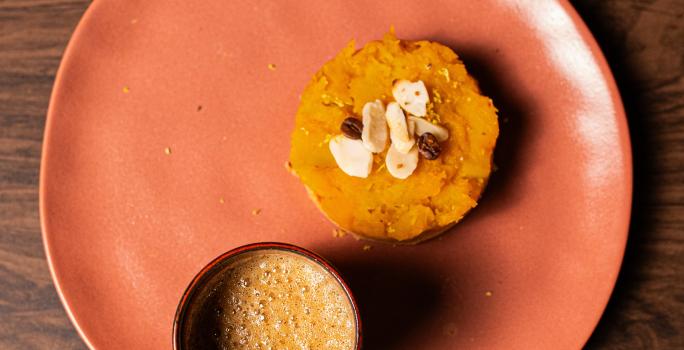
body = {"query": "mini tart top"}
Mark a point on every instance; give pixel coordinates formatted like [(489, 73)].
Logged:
[(440, 191)]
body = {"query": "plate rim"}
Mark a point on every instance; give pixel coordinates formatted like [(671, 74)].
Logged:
[(626, 145), (57, 86), (620, 115)]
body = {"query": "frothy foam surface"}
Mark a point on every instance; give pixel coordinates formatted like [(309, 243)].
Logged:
[(271, 300)]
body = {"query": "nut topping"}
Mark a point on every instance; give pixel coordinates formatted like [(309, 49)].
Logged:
[(374, 134), (351, 156), (399, 132), (423, 126), (412, 97), (401, 165)]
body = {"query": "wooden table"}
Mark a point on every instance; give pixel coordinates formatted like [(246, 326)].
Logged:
[(644, 43)]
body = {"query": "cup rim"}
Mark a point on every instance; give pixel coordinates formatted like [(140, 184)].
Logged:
[(217, 262)]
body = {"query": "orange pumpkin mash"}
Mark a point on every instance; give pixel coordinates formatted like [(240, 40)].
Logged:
[(440, 192)]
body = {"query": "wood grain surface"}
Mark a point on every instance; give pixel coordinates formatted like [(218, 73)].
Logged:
[(642, 39)]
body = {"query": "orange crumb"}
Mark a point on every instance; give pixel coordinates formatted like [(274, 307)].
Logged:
[(450, 329), (337, 233)]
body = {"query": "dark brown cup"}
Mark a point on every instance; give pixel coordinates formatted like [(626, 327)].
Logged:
[(205, 276)]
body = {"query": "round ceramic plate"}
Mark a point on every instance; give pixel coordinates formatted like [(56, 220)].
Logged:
[(168, 132)]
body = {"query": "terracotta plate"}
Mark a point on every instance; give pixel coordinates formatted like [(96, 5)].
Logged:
[(167, 129)]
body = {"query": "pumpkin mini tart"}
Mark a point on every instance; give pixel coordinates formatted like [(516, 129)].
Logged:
[(394, 141)]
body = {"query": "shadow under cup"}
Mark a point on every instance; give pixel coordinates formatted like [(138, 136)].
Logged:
[(203, 320)]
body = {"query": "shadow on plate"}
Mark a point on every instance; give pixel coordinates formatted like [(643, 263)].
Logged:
[(516, 129), (396, 299)]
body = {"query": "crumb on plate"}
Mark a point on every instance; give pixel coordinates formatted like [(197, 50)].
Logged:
[(338, 233), (450, 329)]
